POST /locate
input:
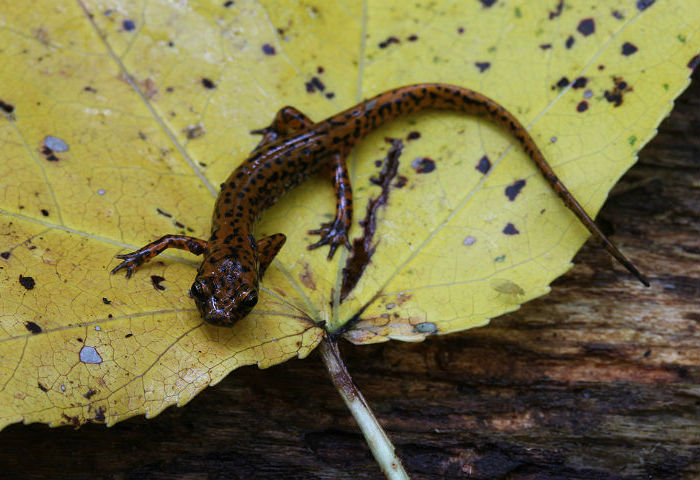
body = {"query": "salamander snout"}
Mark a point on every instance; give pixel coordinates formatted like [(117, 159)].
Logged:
[(223, 305)]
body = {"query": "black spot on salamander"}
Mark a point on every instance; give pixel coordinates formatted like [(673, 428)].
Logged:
[(209, 84), (41, 387), (482, 66), (545, 46), (7, 107), (557, 10), (128, 335), (582, 106), (644, 4), (27, 282), (178, 224), (580, 82), (628, 49), (617, 14), (484, 165), (569, 42), (693, 63), (586, 27), (460, 30), (128, 25), (412, 38), (163, 212), (106, 300), (423, 165), (268, 49), (155, 280), (510, 229), (5, 255), (317, 84), (89, 393), (513, 190), (32, 327), (487, 3), (228, 3)]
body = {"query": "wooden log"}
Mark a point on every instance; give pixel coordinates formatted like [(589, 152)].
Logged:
[(598, 380)]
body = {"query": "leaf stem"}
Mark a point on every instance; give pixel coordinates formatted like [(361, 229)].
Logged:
[(379, 443)]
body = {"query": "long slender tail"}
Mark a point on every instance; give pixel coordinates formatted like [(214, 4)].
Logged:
[(401, 101)]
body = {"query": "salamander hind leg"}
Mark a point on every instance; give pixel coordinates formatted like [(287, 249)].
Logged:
[(144, 254), (286, 121), (335, 233)]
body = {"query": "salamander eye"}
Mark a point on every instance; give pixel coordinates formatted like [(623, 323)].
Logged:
[(196, 290), (251, 299)]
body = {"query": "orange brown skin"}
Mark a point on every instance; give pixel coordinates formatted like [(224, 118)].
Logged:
[(293, 148)]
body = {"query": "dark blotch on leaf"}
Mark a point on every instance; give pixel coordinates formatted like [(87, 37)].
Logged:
[(513, 190), (32, 327), (484, 165), (586, 26), (6, 107), (155, 280), (644, 4), (510, 229), (423, 165), (628, 49), (580, 82), (27, 282)]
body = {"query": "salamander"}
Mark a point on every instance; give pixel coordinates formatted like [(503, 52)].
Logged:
[(292, 148)]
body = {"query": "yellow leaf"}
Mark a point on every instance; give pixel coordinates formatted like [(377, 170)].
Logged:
[(118, 121)]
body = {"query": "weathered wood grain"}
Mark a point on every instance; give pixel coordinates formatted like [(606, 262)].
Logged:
[(598, 380)]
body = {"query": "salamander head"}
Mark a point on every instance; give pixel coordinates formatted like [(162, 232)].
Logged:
[(226, 294)]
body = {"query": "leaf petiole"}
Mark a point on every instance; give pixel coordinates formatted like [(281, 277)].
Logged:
[(378, 441)]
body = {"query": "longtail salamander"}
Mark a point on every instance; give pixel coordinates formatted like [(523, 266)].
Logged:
[(292, 148)]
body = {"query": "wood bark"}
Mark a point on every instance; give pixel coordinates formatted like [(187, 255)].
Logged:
[(598, 380)]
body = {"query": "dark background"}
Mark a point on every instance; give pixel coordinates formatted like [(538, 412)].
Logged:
[(597, 380)]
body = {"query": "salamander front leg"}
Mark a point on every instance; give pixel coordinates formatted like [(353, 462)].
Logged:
[(335, 233), (144, 254), (286, 121)]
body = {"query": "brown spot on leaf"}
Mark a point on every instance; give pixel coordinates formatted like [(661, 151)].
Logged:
[(32, 327), (628, 49), (155, 280), (27, 282), (586, 27), (307, 278), (363, 247), (484, 165), (510, 229)]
